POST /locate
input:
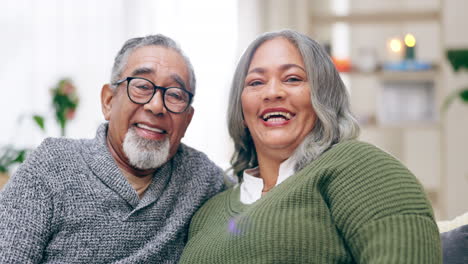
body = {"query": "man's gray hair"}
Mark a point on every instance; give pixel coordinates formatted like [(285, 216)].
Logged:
[(329, 98), (132, 44)]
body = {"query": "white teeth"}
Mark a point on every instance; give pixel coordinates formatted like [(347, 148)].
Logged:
[(150, 128), (276, 120), (283, 114)]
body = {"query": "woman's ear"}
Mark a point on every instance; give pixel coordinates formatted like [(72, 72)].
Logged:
[(107, 94)]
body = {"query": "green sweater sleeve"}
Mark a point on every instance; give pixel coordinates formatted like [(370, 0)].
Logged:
[(380, 208)]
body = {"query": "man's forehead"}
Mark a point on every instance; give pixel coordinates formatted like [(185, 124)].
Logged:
[(152, 59)]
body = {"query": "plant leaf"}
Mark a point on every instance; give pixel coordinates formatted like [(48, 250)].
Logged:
[(464, 95), (39, 121), (20, 157), (460, 93), (458, 58), (449, 100)]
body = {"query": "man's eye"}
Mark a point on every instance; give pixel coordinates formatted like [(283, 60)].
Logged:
[(143, 87), (175, 96)]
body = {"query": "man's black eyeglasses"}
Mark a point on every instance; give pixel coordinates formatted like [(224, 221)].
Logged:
[(141, 91)]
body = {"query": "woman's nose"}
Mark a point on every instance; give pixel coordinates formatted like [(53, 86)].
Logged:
[(156, 104), (274, 91)]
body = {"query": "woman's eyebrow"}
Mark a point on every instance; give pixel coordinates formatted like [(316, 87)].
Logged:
[(257, 70), (290, 65), (282, 68)]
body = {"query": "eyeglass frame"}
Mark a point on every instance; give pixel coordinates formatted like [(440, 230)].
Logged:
[(155, 88)]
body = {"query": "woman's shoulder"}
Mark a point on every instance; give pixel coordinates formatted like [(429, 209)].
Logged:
[(357, 145), (355, 152), (210, 211), (363, 183), (355, 165), (217, 201)]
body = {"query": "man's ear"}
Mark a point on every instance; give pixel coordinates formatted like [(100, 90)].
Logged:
[(188, 118), (190, 113), (107, 94)]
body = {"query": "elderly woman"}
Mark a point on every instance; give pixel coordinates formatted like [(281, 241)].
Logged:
[(309, 192)]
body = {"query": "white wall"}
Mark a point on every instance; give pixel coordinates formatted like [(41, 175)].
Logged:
[(456, 123), (45, 40)]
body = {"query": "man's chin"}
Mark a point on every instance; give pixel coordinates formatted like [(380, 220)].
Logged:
[(145, 154)]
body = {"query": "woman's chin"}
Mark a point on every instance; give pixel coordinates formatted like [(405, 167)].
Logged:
[(278, 145)]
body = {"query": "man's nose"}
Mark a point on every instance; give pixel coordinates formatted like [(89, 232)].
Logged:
[(156, 105), (274, 90)]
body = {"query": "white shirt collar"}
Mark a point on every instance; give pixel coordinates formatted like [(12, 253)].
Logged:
[(252, 185)]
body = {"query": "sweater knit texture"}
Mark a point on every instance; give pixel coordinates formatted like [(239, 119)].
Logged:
[(70, 203), (354, 204)]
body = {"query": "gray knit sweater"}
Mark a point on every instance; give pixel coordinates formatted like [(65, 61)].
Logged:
[(69, 203)]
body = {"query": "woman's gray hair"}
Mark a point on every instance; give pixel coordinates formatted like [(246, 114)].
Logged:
[(132, 44), (328, 95)]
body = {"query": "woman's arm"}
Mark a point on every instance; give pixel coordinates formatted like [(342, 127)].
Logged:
[(381, 209)]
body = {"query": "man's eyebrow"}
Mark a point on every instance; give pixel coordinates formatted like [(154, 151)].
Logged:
[(179, 80), (174, 76), (143, 70)]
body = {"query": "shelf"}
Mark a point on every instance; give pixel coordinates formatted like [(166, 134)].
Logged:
[(376, 18), (428, 75), (397, 107)]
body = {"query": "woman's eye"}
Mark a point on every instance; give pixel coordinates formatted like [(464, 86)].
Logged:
[(293, 79), (255, 83)]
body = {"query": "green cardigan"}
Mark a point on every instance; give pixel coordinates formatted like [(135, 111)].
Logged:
[(354, 204)]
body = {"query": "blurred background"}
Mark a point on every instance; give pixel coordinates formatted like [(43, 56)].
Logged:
[(404, 63)]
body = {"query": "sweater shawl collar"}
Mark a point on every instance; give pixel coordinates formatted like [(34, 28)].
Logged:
[(103, 165)]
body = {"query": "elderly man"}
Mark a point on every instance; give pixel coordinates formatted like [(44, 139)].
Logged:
[(126, 196)]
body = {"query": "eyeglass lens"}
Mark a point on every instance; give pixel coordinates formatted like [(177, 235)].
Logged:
[(141, 91)]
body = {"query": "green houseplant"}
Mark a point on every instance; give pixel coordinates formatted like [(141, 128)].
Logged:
[(64, 101), (458, 58), (9, 156)]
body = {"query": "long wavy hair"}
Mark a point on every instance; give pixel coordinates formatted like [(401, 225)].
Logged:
[(328, 95)]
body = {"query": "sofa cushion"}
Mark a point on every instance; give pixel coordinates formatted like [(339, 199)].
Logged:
[(455, 245)]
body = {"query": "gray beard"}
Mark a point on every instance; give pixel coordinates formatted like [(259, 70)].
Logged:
[(143, 153)]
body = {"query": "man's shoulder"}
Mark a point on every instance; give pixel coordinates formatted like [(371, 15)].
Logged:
[(52, 143), (49, 163), (54, 153), (52, 148), (195, 158), (198, 164)]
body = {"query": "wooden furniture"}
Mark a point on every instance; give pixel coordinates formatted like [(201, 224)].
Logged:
[(3, 179)]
